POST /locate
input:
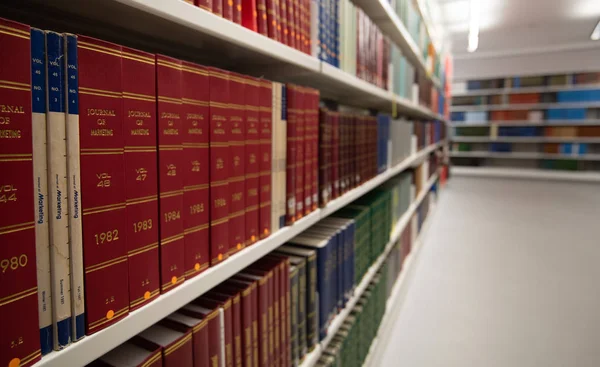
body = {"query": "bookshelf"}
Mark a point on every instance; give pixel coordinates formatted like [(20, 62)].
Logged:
[(94, 346), (312, 358), (550, 122), (526, 174), (178, 28)]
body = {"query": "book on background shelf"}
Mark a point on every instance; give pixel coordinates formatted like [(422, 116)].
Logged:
[(199, 330), (215, 326), (137, 352), (252, 165), (234, 296), (57, 190), (264, 178), (18, 291), (225, 314), (175, 344), (102, 182), (237, 181), (141, 176)]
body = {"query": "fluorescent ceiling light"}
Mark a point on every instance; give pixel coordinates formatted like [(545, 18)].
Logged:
[(596, 33), (474, 7)]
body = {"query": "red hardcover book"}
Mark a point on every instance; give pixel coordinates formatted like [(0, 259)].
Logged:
[(264, 179), (141, 178), (271, 19), (237, 182), (176, 343), (217, 7), (237, 11), (213, 328), (291, 146), (170, 172), (252, 164), (299, 172), (103, 182), (260, 314), (205, 4), (291, 23), (225, 306), (335, 161), (282, 263), (307, 192), (278, 19), (260, 267), (261, 19), (136, 351), (324, 156), (250, 15), (195, 137), (234, 297), (244, 290), (227, 9), (20, 337), (297, 24), (220, 167), (199, 331), (305, 24), (314, 113), (283, 15)]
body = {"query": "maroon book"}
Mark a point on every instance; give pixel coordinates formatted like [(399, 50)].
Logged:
[(224, 295), (217, 7), (335, 154), (244, 291), (282, 265), (102, 182), (252, 164), (261, 12), (224, 303), (170, 171), (205, 4), (299, 171), (291, 146), (250, 318), (20, 338), (175, 342), (313, 115), (199, 331), (237, 11), (141, 175), (213, 327), (220, 167), (264, 179), (195, 131), (227, 6), (250, 15), (237, 182)]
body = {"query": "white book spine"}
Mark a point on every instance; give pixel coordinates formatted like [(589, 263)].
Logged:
[(74, 187), (57, 189), (40, 184)]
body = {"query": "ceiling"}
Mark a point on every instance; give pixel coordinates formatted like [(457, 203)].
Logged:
[(512, 26)]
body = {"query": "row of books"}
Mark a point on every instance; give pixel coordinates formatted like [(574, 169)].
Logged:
[(572, 149), (285, 21), (534, 115), (274, 312), (568, 96), (534, 81), (495, 131)]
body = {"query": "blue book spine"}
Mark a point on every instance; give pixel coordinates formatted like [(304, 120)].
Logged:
[(322, 289), (339, 274), (352, 247), (57, 177), (40, 168), (74, 192)]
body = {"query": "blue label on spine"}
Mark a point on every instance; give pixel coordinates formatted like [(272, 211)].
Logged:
[(64, 332), (72, 75), (55, 59), (38, 71), (46, 339), (79, 326)]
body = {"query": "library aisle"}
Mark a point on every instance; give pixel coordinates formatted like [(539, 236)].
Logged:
[(507, 276)]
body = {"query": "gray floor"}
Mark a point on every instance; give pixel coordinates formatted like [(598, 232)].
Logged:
[(509, 275)]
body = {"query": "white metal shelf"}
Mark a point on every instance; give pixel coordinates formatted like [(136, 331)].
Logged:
[(545, 89), (94, 346), (382, 14), (394, 303), (524, 173), (182, 30), (525, 155), (524, 106), (589, 122), (312, 358), (526, 139)]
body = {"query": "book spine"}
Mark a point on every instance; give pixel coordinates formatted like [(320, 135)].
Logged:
[(74, 187), (308, 154), (276, 301), (227, 6), (282, 141), (311, 302), (220, 167), (255, 317), (263, 322), (284, 311), (237, 182), (302, 307), (299, 171), (40, 187), (217, 7), (18, 291), (141, 176), (252, 166), (261, 12), (205, 4), (315, 141), (236, 316), (275, 101), (227, 327), (279, 20), (293, 318), (195, 97), (102, 182), (270, 319), (264, 215), (57, 178), (170, 175), (250, 15), (296, 21), (237, 11), (179, 353), (200, 340), (323, 150), (335, 161), (246, 327), (290, 173), (285, 23)]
